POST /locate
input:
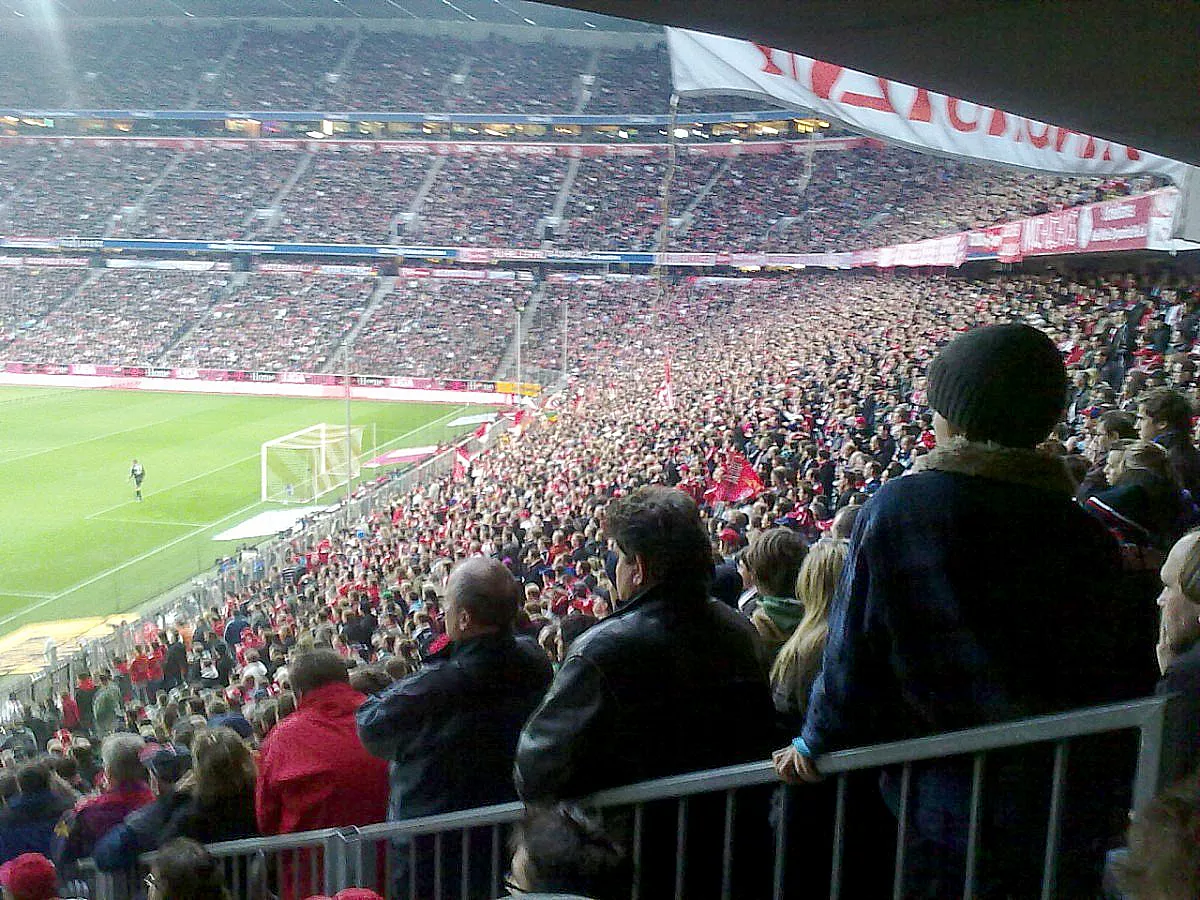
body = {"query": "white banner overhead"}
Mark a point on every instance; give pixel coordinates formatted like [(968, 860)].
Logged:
[(899, 113)]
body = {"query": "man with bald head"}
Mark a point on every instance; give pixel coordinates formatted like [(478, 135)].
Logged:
[(450, 729)]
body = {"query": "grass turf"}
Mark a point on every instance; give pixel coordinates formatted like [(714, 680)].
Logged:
[(74, 540)]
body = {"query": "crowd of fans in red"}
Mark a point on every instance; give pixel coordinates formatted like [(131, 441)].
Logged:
[(782, 202), (779, 444)]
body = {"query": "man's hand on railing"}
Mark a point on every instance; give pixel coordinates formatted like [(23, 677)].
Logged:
[(794, 767)]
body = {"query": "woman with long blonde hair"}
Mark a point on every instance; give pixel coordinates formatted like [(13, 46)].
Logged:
[(799, 659)]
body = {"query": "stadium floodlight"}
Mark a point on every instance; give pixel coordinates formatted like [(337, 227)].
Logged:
[(307, 464)]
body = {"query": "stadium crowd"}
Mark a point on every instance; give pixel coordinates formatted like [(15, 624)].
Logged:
[(80, 190), (436, 327), (210, 195), (538, 78), (122, 317), (388, 640), (280, 323), (138, 66), (850, 200), (275, 69), (339, 201), (26, 295), (495, 201)]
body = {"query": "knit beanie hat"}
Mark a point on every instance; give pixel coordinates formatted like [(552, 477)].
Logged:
[(1001, 383)]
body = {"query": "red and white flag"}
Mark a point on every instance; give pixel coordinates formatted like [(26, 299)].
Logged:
[(481, 431), (461, 462), (666, 393), (739, 482)]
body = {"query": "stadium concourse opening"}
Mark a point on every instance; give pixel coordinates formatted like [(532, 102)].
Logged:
[(789, 461)]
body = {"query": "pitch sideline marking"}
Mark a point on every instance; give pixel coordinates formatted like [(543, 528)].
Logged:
[(32, 595), (171, 543)]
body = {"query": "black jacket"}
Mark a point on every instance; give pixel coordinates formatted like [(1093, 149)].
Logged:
[(668, 684), (1185, 459), (230, 819), (1182, 679), (450, 729)]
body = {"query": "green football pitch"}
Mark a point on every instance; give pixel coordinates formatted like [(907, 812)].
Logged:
[(75, 542)]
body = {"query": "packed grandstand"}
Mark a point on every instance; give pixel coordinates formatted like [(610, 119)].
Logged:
[(778, 399)]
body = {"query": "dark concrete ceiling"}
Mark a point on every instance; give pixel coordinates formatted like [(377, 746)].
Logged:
[(1127, 71)]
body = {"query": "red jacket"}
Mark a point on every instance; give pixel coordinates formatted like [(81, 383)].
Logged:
[(70, 712), (315, 773)]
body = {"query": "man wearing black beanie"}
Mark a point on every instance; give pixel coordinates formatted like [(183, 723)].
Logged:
[(978, 591)]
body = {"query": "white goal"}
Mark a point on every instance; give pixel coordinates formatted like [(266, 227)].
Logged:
[(302, 466)]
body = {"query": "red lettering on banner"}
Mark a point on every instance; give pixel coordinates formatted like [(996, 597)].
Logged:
[(1132, 153), (882, 103), (1060, 138), (1041, 141), (921, 110), (1107, 155), (959, 123), (1089, 149), (824, 77), (999, 123), (769, 66)]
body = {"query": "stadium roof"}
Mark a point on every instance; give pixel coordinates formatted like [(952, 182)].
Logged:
[(498, 12), (1126, 70)]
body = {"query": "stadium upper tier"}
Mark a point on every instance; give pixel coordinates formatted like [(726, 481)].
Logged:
[(788, 200), (214, 65)]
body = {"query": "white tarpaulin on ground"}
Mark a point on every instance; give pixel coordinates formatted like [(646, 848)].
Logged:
[(480, 419), (273, 521), (911, 116), (403, 455)]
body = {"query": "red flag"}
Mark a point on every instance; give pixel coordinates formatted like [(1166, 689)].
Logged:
[(740, 481), (481, 431), (461, 461)]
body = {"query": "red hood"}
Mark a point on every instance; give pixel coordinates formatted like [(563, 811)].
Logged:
[(332, 700)]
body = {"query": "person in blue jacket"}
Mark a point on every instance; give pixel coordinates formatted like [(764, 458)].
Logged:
[(27, 822), (978, 591)]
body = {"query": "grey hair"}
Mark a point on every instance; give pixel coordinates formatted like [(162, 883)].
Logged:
[(119, 753)]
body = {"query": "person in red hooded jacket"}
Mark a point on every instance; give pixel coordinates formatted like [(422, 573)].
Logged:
[(313, 770)]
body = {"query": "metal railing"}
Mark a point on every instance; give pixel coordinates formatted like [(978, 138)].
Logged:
[(391, 858)]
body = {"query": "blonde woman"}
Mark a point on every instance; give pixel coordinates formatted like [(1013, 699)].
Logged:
[(799, 660), (1144, 504)]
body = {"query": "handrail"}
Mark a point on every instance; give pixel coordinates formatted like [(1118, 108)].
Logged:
[(344, 851), (1142, 713)]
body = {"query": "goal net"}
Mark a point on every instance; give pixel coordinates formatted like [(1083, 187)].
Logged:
[(302, 466)]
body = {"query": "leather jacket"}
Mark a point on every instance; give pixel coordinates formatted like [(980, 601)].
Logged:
[(668, 684)]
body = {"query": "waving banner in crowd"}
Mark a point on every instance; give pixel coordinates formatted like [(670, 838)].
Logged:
[(902, 114)]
